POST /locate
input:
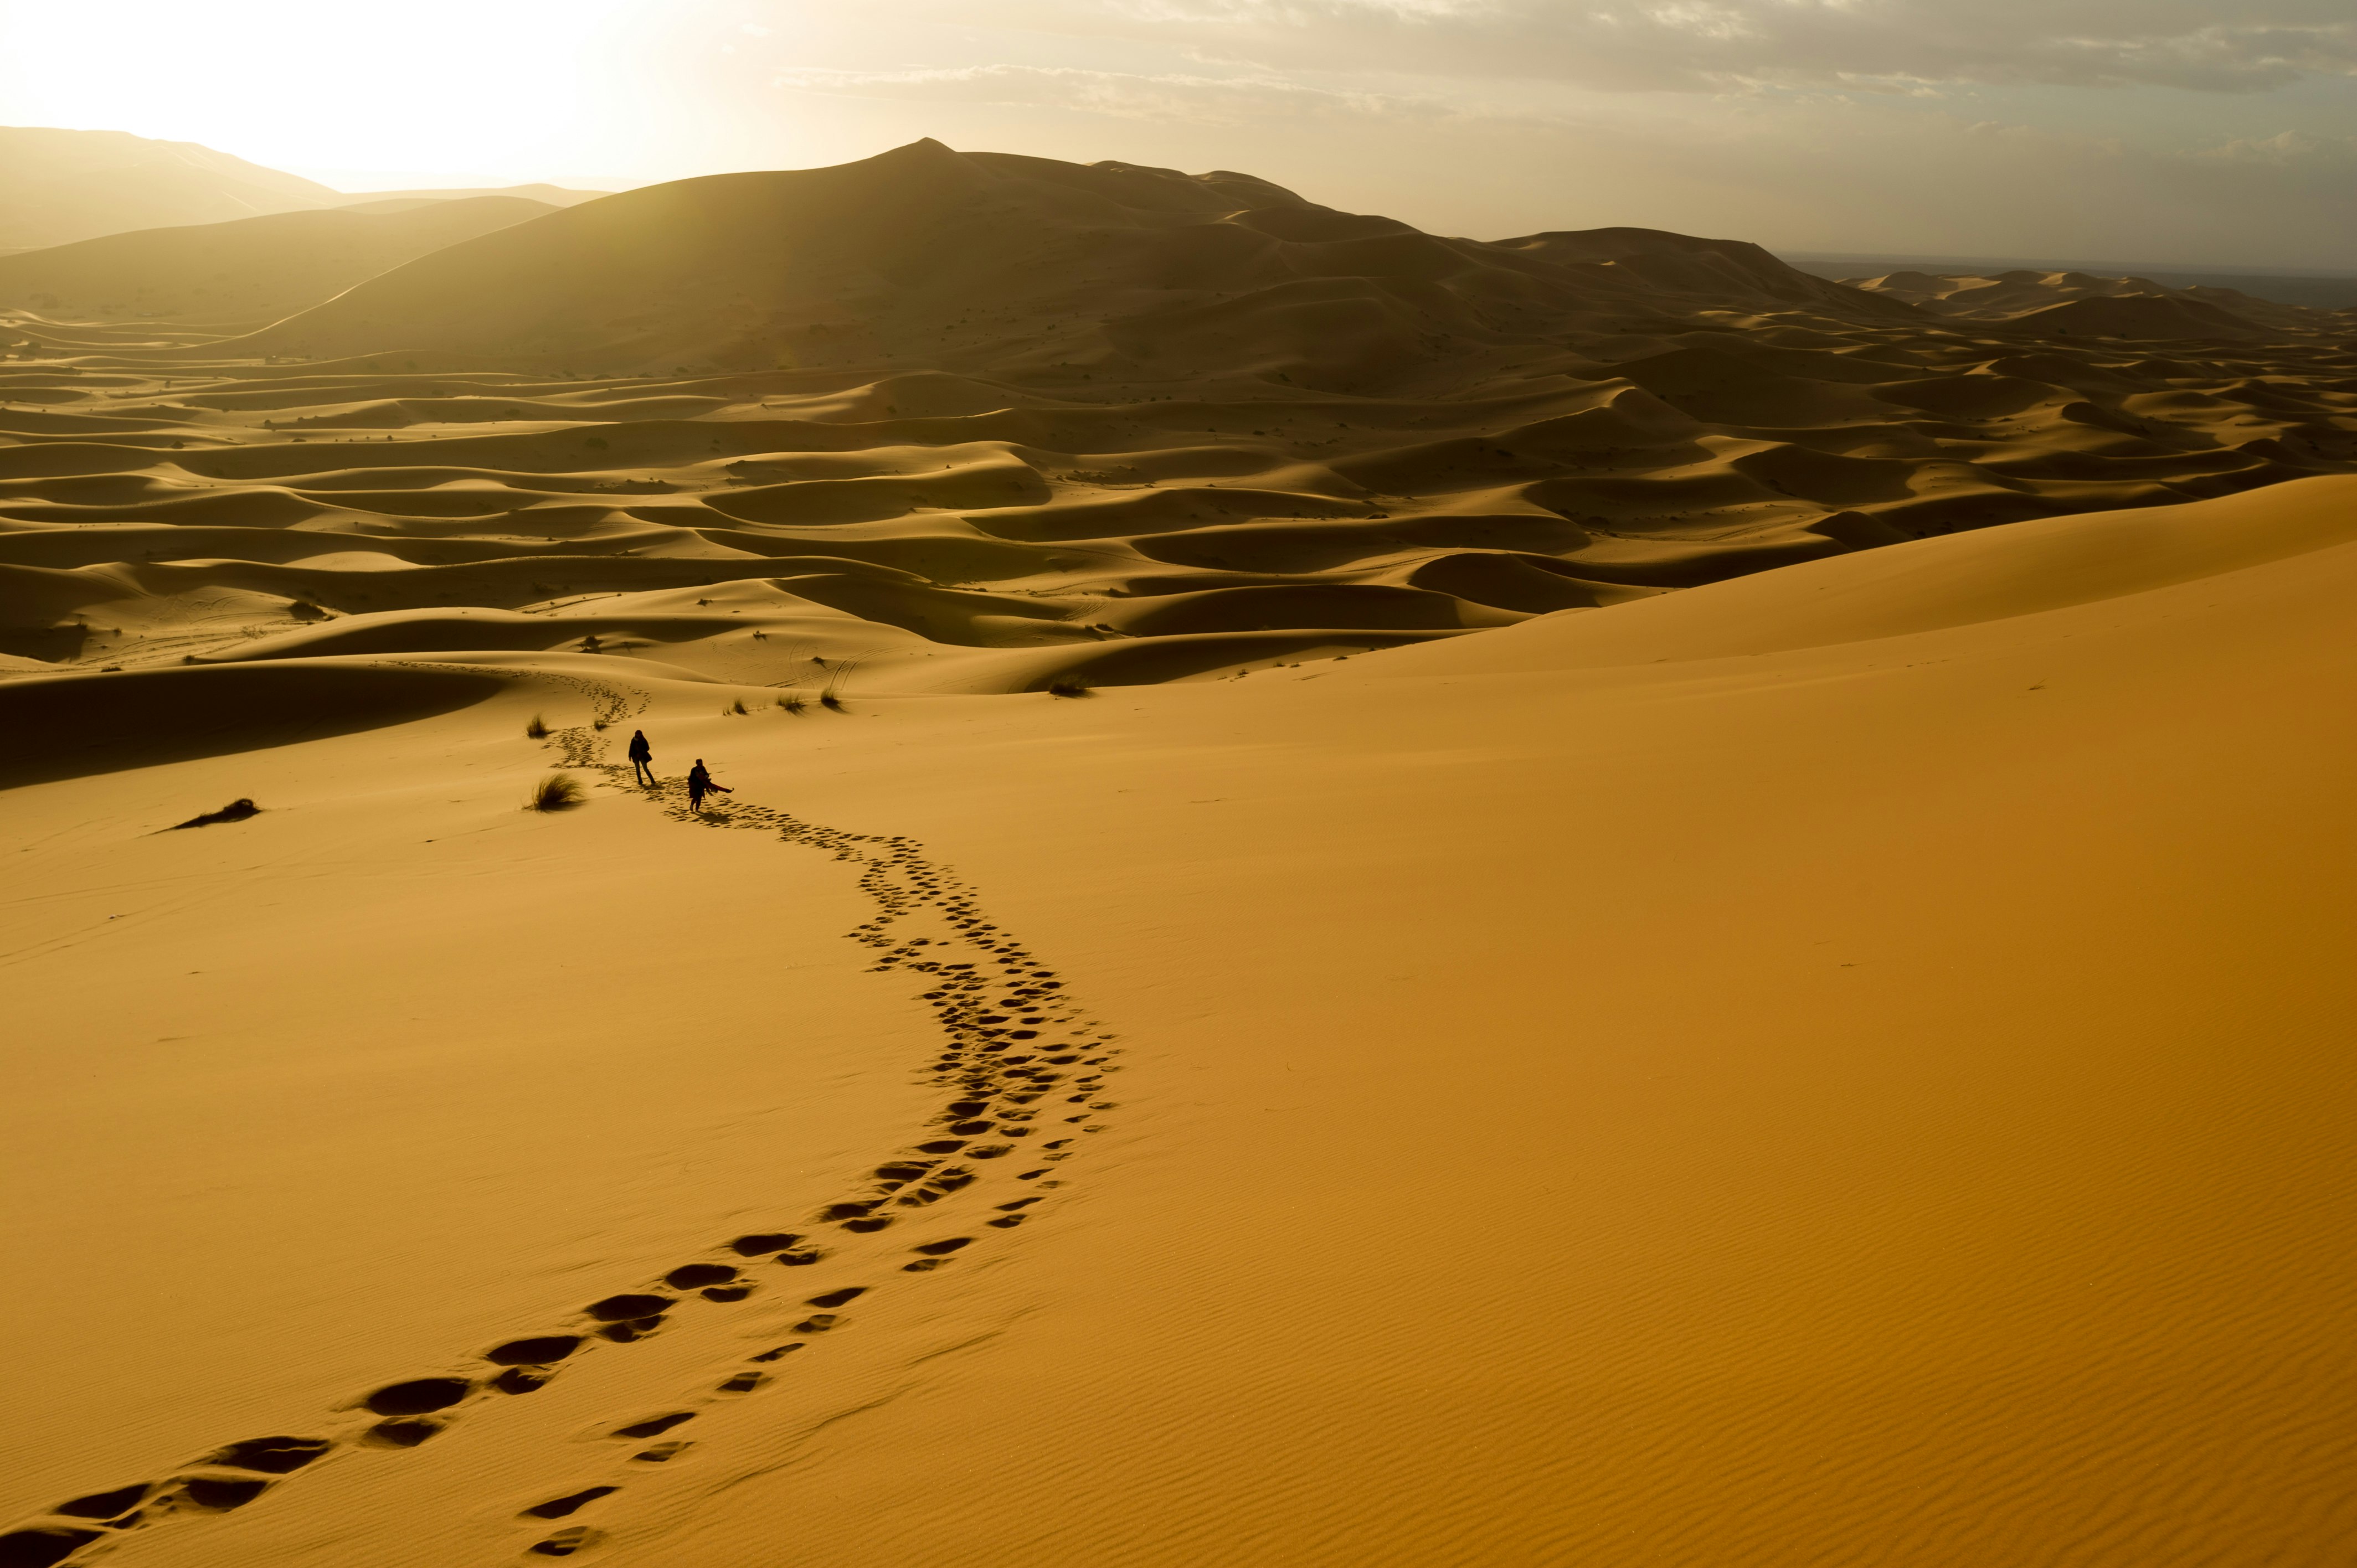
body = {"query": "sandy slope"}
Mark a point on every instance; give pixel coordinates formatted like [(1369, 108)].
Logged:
[(1837, 1065)]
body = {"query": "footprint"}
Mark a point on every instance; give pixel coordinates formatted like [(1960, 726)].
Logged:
[(218, 1495), (661, 1453), (817, 1322), (272, 1455), (763, 1244), (104, 1505), (743, 1383), (631, 1308), (566, 1542), (654, 1426), (572, 1503), (538, 1352), (774, 1355), (690, 1276), (837, 1297), (405, 1433), (41, 1547), (841, 1211), (935, 1249), (419, 1396)]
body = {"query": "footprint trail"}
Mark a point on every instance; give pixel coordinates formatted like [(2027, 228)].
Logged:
[(1021, 1073)]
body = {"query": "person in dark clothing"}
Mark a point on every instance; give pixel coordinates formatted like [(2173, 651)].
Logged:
[(642, 759), (699, 783)]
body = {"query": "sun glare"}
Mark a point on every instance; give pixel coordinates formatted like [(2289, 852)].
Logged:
[(524, 86)]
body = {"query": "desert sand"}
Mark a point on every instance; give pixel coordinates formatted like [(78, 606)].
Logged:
[(1387, 899)]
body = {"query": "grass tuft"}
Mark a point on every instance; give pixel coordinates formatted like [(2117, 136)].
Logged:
[(1067, 687), (739, 707), (557, 792), (793, 703), (538, 728)]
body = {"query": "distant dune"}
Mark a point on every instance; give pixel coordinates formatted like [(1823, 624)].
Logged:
[(247, 271), (2063, 303), (546, 194), (946, 421), (57, 187)]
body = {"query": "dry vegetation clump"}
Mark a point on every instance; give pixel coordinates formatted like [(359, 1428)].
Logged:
[(557, 792), (1068, 688), (793, 703), (538, 728), (237, 810)]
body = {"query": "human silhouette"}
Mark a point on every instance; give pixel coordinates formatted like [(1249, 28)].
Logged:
[(642, 759), (699, 783)]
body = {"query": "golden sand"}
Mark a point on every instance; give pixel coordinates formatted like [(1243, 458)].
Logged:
[(1842, 1063)]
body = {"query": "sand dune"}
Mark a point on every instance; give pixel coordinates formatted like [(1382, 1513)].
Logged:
[(230, 277), (2063, 304), (57, 187), (407, 200), (1834, 1064), (970, 422)]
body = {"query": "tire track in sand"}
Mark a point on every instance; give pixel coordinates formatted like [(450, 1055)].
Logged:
[(1021, 1073)]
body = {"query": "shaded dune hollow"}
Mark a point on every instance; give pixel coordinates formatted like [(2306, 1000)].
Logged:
[(941, 421)]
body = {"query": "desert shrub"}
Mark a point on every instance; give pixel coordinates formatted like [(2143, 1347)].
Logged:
[(1067, 687), (537, 729), (557, 792), (237, 810)]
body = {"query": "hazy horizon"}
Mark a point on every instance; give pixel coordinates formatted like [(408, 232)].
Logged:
[(2166, 131)]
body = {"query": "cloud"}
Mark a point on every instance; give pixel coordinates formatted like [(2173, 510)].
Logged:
[(2285, 149), (2229, 46), (1200, 100)]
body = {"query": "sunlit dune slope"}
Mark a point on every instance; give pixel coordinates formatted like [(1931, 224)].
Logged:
[(1844, 1065), (232, 275), (942, 420)]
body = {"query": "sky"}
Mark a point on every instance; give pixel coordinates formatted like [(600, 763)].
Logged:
[(2185, 131)]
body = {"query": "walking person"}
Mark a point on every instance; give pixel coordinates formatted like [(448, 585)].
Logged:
[(642, 759), (699, 783)]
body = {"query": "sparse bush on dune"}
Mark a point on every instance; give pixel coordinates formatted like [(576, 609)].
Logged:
[(793, 703), (537, 729), (557, 792), (739, 707), (1067, 687), (237, 810)]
